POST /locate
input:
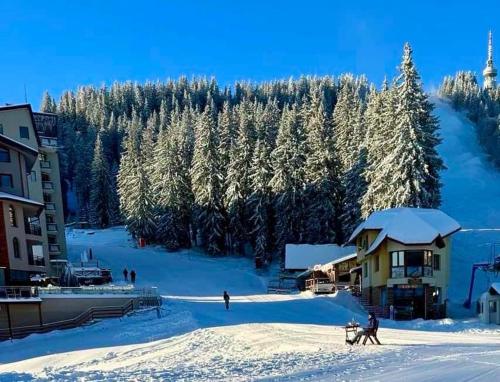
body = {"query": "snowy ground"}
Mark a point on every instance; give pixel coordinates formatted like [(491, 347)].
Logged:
[(273, 337)]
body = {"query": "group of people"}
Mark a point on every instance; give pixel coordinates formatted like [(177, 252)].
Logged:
[(132, 275)]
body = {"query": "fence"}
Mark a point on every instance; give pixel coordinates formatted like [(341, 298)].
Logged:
[(89, 315)]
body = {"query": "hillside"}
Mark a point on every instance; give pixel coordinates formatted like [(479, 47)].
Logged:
[(274, 337)]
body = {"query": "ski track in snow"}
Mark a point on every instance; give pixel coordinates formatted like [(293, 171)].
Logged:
[(276, 337)]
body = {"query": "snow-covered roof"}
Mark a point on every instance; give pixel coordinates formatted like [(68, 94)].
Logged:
[(328, 266), (495, 288), (20, 199), (407, 226), (305, 256)]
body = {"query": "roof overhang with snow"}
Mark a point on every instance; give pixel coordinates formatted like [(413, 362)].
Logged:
[(306, 256), (408, 226), (494, 289)]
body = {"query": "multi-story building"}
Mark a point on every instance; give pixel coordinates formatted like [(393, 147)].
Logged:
[(31, 218), (405, 255)]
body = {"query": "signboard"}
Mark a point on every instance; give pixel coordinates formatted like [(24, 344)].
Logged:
[(415, 281), (46, 124)]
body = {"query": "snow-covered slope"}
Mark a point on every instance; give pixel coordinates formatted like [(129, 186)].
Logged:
[(273, 337), (471, 195)]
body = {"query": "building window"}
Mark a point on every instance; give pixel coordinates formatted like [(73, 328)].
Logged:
[(493, 306), (437, 262), (4, 155), (24, 132), (12, 216), (32, 176), (365, 269), (6, 180), (1, 128), (397, 264), (15, 245), (411, 264), (377, 263)]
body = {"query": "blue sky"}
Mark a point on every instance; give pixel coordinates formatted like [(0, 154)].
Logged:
[(58, 45)]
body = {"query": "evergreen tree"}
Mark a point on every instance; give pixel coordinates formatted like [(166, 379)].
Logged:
[(101, 194), (207, 182)]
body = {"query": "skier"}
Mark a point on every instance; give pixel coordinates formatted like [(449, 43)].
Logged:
[(226, 300), (125, 274), (132, 276)]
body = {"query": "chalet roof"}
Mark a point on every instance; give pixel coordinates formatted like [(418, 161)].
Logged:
[(30, 110), (495, 288), (305, 256), (407, 226)]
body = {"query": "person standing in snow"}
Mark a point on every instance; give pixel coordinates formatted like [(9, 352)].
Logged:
[(132, 276), (125, 274), (226, 299)]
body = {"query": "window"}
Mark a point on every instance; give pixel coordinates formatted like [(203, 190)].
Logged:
[(12, 216), (398, 264), (1, 128), (365, 269), (437, 262), (4, 155), (32, 176), (493, 306), (24, 132), (5, 180), (377, 263), (15, 245)]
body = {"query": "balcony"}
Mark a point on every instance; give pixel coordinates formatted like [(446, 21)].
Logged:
[(51, 227), (54, 248), (47, 186), (49, 142), (32, 229), (45, 165), (50, 207)]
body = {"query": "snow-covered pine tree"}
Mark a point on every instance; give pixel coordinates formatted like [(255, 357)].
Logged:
[(322, 173), (228, 129), (48, 104), (287, 183), (403, 177), (134, 186), (207, 179), (237, 182), (101, 192)]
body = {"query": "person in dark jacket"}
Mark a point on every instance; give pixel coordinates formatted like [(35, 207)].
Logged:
[(372, 324), (125, 274), (132, 276), (226, 299)]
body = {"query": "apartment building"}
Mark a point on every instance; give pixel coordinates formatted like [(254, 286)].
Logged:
[(32, 239)]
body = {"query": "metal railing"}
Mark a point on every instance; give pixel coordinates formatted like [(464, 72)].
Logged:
[(45, 164), (50, 206), (32, 229), (54, 248), (52, 227), (93, 290), (18, 293), (47, 185)]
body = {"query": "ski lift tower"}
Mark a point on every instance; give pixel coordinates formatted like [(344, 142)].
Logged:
[(492, 266)]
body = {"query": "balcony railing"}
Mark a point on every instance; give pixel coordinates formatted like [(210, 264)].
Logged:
[(45, 164), (50, 206), (18, 293), (411, 271), (49, 142), (33, 229), (47, 185), (54, 248), (52, 227)]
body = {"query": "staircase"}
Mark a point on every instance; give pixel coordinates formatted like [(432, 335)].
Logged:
[(382, 312)]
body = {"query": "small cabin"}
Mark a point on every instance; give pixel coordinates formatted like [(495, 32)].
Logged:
[(489, 305)]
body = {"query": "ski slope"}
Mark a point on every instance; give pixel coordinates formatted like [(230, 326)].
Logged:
[(275, 337)]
